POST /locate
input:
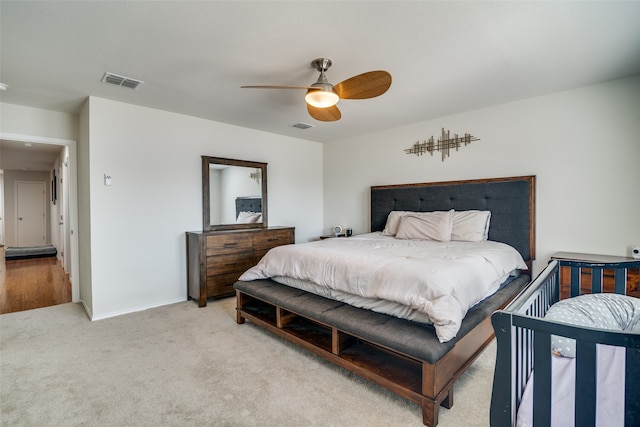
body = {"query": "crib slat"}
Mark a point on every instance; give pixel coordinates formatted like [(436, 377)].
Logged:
[(541, 379), (519, 352), (575, 280), (620, 281), (631, 389), (596, 280), (586, 374), (504, 413)]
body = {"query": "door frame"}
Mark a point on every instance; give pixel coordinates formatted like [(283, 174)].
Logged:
[(2, 221), (72, 194)]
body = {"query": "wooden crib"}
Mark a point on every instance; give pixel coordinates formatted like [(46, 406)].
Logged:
[(524, 347)]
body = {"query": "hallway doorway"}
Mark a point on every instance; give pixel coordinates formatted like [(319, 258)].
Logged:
[(62, 210)]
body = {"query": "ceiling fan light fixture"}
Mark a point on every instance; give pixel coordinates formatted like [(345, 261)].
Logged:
[(322, 98)]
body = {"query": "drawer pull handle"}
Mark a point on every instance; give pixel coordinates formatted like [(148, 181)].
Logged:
[(230, 245)]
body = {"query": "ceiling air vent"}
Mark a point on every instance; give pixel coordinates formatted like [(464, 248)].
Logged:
[(114, 79), (302, 125)]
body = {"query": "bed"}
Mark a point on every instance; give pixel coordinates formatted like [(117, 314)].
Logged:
[(405, 356), (536, 378)]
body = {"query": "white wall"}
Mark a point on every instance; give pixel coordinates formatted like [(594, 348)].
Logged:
[(21, 120), (137, 225), (583, 145)]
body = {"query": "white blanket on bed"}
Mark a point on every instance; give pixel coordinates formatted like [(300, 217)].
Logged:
[(440, 280)]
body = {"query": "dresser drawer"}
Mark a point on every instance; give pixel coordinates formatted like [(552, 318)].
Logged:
[(223, 264), (257, 255), (266, 240), (222, 285), (228, 244)]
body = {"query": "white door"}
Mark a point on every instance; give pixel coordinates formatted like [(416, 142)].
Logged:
[(31, 214)]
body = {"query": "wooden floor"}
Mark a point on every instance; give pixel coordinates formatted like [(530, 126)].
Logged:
[(32, 283)]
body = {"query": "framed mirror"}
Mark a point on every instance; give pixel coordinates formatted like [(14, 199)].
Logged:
[(234, 194)]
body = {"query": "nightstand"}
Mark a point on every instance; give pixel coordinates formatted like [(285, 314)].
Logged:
[(332, 236), (633, 274)]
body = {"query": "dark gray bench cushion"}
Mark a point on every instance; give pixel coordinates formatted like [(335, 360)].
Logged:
[(411, 338)]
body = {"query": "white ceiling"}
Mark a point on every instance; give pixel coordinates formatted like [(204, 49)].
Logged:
[(16, 155), (445, 57)]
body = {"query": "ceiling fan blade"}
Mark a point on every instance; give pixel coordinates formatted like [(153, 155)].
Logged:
[(329, 114), (364, 86), (278, 87)]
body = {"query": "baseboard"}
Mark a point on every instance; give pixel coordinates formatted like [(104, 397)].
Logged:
[(135, 309), (87, 309)]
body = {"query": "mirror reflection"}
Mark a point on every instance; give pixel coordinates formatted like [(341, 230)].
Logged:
[(234, 194)]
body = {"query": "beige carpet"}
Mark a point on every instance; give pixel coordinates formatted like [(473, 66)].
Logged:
[(183, 365)]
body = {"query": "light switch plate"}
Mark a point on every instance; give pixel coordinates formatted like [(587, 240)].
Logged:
[(107, 179)]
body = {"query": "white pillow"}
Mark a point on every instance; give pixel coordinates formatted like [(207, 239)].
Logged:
[(470, 226), (393, 220), (246, 217), (426, 226)]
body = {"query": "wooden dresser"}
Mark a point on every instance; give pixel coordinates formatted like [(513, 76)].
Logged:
[(215, 259), (633, 274)]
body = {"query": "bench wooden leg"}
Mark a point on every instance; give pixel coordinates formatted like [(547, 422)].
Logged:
[(448, 400), (239, 302), (430, 408), (429, 412)]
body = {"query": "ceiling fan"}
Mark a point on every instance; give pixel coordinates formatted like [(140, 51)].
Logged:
[(322, 96)]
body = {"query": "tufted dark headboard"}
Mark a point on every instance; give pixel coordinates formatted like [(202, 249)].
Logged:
[(248, 204), (510, 200)]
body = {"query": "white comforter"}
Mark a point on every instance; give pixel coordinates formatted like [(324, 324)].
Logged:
[(441, 281)]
